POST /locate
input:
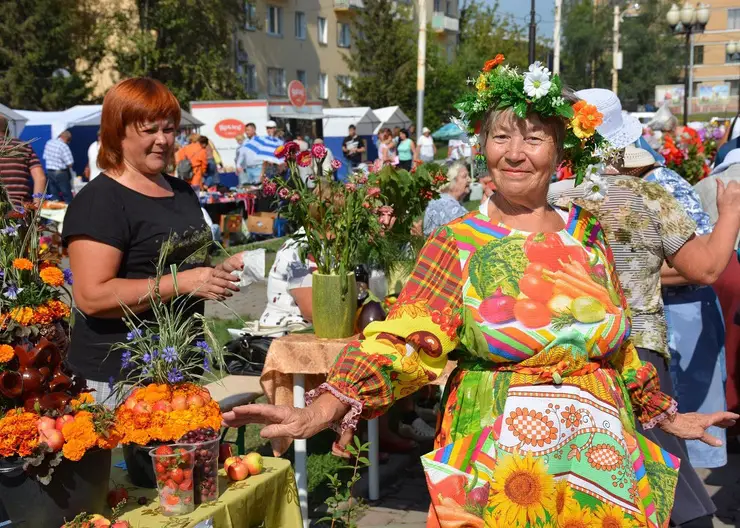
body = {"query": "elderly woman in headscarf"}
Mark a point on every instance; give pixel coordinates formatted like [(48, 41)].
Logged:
[(646, 226), (538, 426)]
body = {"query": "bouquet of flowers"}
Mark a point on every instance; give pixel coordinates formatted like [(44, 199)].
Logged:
[(685, 155), (166, 361), (710, 137)]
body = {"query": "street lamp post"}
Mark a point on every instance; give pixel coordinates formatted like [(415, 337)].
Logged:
[(688, 20), (733, 50)]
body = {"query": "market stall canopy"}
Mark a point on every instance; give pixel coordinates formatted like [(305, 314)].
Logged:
[(338, 120), (448, 132), (61, 121), (186, 119), (16, 121), (391, 117), (286, 110)]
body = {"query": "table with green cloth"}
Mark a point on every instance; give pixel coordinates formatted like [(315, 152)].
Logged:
[(270, 498)]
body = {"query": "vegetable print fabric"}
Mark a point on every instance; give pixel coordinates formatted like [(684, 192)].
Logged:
[(538, 427)]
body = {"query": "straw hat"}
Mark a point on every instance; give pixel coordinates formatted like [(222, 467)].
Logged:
[(636, 157), (619, 128)]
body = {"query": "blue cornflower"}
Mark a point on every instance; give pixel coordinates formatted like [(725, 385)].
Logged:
[(175, 376), (133, 334), (126, 359), (48, 196), (169, 354), (68, 276), (204, 346), (9, 231), (12, 292), (111, 383), (155, 337), (22, 210), (37, 195), (206, 364), (149, 357)]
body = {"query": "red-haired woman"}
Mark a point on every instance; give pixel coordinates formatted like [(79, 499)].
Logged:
[(116, 226)]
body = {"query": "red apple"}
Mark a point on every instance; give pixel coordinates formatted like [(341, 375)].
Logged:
[(98, 521), (116, 496), (53, 438), (130, 403), (224, 452), (238, 471), (162, 405), (231, 460), (142, 407), (195, 401), (45, 423), (179, 403), (254, 463), (62, 420)]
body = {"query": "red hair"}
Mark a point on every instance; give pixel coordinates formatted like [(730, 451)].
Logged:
[(132, 102)]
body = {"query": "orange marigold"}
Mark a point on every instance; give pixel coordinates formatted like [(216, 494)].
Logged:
[(58, 308), (52, 276), (22, 264), (18, 433), (491, 64), (23, 315), (6, 353), (42, 315), (84, 397), (79, 436)]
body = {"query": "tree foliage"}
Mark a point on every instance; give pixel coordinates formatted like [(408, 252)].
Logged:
[(586, 34), (186, 44), (39, 38)]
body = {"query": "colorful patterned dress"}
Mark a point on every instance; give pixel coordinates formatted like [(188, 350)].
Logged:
[(538, 425)]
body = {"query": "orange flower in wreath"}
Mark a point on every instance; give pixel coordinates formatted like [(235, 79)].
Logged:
[(22, 264), (6, 353), (491, 64), (52, 276), (587, 117)]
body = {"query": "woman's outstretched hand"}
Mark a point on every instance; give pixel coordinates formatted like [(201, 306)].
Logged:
[(693, 426), (283, 421)]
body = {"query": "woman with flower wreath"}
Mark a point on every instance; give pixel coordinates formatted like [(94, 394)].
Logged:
[(539, 421)]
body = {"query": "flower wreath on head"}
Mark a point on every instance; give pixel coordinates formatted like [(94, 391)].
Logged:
[(535, 91)]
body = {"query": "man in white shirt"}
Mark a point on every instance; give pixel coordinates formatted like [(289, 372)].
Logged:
[(248, 166), (59, 172), (425, 146), (92, 159)]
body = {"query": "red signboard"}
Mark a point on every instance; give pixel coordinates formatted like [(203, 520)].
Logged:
[(229, 128), (297, 93)]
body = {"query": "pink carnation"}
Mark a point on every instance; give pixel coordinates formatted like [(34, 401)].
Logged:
[(350, 186), (362, 180), (283, 193), (375, 166), (295, 197), (318, 151), (304, 158), (372, 192), (336, 164), (269, 188)]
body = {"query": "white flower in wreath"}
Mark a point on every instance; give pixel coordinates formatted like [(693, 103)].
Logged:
[(595, 185), (558, 101), (537, 81)]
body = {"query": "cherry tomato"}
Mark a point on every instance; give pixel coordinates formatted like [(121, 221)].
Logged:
[(532, 314), (546, 249), (534, 268), (536, 288)]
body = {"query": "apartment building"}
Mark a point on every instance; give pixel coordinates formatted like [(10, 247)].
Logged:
[(712, 64), (305, 40)]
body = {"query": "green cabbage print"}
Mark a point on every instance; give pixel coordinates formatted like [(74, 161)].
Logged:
[(663, 485), (499, 264)]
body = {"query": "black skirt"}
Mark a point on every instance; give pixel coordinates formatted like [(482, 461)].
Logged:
[(692, 500)]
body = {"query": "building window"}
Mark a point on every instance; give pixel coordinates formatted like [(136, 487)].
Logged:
[(732, 59), (733, 18), (695, 89), (322, 31), (450, 9), (734, 87), (276, 82), (301, 77), (300, 25), (323, 86), (698, 54), (250, 12), (343, 35), (275, 20), (343, 83), (437, 6), (248, 75)]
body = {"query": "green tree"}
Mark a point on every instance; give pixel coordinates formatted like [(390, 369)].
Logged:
[(48, 51), (586, 34), (186, 44)]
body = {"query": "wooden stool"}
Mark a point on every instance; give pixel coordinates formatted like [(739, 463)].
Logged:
[(230, 224), (232, 391)]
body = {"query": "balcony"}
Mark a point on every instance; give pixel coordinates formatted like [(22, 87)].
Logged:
[(347, 5), (442, 23)]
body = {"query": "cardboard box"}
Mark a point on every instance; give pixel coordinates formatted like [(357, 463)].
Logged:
[(262, 223)]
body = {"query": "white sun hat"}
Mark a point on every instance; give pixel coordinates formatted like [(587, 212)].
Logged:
[(636, 157), (732, 158), (619, 128)]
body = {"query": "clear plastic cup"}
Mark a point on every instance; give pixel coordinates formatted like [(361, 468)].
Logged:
[(173, 468), (205, 471)]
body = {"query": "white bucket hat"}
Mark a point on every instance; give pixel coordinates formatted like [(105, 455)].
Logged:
[(732, 158), (636, 157), (619, 128)]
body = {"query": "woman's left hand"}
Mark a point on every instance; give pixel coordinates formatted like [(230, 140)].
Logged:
[(693, 426), (233, 263)]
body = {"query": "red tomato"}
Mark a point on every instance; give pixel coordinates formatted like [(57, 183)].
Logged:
[(578, 254), (531, 314), (546, 249), (537, 288), (534, 268)]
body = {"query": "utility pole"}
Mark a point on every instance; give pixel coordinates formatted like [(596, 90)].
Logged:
[(421, 67), (532, 32), (615, 52), (556, 37)]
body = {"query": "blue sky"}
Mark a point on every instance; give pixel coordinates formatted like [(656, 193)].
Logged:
[(520, 10)]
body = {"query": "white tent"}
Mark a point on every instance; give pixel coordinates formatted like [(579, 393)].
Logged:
[(338, 120), (391, 117), (93, 118), (61, 121), (16, 121)]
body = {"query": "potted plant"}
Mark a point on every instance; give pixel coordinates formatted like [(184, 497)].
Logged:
[(335, 220), (54, 441), (165, 361)]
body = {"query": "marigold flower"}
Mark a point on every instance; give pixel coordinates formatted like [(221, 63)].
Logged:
[(23, 315), (18, 433), (42, 315), (58, 308), (22, 264), (491, 64), (586, 119), (6, 353), (52, 276)]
